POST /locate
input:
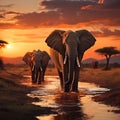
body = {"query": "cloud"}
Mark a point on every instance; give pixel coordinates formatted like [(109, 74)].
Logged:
[(12, 12), (31, 36), (70, 12), (2, 10), (6, 25), (35, 19), (56, 12), (6, 6), (105, 32), (111, 4), (74, 12), (108, 32)]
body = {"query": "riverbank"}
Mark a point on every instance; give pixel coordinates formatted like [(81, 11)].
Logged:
[(14, 102), (108, 79)]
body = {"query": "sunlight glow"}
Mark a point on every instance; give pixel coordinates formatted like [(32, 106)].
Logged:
[(9, 46)]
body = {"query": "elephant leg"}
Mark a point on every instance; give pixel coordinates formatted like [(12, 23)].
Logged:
[(66, 87), (43, 74), (33, 76), (74, 85), (61, 79), (39, 77), (65, 79)]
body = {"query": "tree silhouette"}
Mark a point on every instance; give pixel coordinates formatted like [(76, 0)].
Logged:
[(3, 43), (107, 52)]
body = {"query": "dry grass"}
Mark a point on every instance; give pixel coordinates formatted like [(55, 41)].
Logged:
[(109, 79)]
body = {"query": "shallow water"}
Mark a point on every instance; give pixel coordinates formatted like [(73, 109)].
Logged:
[(72, 106)]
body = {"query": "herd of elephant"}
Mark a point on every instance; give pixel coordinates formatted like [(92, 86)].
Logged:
[(66, 51)]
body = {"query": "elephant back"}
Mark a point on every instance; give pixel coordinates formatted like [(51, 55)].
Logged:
[(45, 58)]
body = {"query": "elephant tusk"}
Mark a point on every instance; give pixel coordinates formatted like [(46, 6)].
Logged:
[(33, 68), (41, 69), (78, 63), (65, 59)]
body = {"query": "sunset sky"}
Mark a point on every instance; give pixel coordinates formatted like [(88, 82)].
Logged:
[(25, 24)]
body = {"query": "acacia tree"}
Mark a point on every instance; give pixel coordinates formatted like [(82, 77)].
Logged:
[(3, 43), (107, 52)]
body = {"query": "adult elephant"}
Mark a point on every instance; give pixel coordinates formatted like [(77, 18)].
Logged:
[(67, 49), (27, 58), (40, 62)]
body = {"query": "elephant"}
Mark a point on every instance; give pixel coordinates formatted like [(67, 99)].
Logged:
[(67, 49), (40, 62), (27, 58)]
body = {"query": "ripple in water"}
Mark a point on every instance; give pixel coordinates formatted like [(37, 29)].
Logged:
[(72, 106)]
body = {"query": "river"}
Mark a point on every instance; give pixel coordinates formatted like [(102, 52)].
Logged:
[(72, 106)]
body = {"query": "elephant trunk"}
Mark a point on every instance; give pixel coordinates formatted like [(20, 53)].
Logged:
[(70, 75), (71, 69)]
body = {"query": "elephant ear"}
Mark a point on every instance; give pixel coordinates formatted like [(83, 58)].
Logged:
[(54, 40), (86, 40)]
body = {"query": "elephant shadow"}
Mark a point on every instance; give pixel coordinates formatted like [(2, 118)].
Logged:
[(69, 107)]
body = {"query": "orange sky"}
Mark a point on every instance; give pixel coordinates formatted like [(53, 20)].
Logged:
[(25, 24)]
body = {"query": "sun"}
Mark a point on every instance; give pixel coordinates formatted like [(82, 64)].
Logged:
[(9, 46)]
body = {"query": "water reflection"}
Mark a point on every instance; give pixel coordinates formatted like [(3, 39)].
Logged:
[(69, 107), (97, 111), (72, 106), (91, 88)]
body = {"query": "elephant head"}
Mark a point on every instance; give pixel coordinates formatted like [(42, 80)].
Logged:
[(71, 46), (28, 59)]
